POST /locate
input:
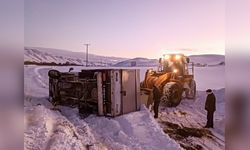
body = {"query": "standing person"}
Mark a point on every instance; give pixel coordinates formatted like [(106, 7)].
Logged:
[(210, 108), (156, 96)]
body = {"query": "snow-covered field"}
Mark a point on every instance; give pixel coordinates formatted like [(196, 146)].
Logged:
[(41, 55), (62, 128), (51, 129), (209, 59), (210, 77), (191, 114)]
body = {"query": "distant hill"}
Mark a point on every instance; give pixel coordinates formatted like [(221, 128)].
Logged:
[(207, 60), (138, 62), (38, 55), (199, 61), (49, 56)]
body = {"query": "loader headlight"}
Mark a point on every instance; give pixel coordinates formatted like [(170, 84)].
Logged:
[(175, 70), (166, 57), (177, 57), (150, 71)]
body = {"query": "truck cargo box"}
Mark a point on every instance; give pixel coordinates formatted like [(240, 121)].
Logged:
[(108, 92)]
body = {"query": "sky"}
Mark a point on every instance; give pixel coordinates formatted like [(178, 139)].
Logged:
[(127, 28)]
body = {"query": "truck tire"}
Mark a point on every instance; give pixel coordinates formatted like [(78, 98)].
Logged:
[(54, 74)]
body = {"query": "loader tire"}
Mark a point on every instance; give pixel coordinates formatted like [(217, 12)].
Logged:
[(173, 96)]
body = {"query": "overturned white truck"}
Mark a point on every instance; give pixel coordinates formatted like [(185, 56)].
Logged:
[(106, 92)]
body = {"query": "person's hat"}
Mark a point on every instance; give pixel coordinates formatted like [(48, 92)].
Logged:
[(209, 90)]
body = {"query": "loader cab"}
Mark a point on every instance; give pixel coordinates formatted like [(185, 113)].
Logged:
[(177, 63)]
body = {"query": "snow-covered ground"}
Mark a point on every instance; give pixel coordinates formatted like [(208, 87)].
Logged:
[(53, 129), (46, 128), (48, 55), (191, 114), (210, 77), (208, 59)]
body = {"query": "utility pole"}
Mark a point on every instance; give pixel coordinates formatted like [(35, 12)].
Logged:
[(87, 54)]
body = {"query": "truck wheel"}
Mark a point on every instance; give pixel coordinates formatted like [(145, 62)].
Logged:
[(54, 74), (191, 93)]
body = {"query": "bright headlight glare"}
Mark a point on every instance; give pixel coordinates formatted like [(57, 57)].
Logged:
[(175, 70), (177, 57), (166, 56)]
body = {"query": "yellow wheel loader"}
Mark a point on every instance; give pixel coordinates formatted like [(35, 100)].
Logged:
[(174, 78)]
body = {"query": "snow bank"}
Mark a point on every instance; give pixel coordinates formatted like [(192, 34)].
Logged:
[(50, 129), (47, 129), (137, 130)]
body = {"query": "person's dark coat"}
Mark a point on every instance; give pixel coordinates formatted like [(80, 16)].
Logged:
[(157, 96), (210, 103)]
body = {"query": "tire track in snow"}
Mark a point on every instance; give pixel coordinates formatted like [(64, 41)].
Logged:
[(192, 114), (41, 79)]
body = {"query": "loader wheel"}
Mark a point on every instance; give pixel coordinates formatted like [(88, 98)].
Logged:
[(190, 94), (175, 95), (172, 97), (165, 102)]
